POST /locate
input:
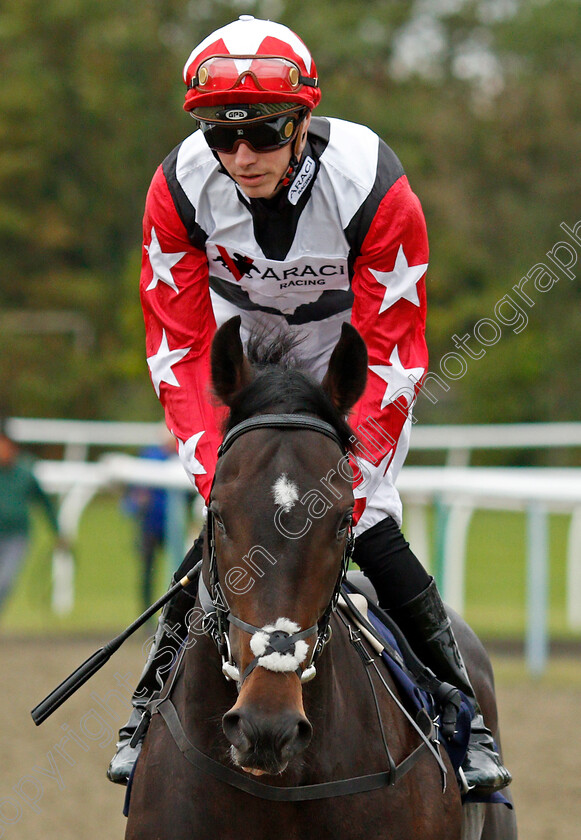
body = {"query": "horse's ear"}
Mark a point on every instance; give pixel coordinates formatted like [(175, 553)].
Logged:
[(346, 375), (231, 370)]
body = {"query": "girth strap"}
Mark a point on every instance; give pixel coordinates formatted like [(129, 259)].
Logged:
[(324, 790)]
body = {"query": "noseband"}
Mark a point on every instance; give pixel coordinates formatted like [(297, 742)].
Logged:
[(278, 647)]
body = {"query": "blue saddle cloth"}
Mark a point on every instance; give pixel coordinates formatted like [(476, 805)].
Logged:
[(417, 699)]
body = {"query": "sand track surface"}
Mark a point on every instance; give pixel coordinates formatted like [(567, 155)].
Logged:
[(52, 777)]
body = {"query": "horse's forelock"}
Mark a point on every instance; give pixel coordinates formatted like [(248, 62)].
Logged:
[(281, 386), (267, 347)]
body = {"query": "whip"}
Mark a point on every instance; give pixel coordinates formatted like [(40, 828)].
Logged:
[(91, 665)]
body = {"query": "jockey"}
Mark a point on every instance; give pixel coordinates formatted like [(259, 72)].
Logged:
[(301, 223)]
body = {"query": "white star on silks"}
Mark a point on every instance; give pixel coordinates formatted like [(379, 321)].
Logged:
[(161, 364), (161, 263), (373, 475), (187, 452), (398, 378), (401, 282)]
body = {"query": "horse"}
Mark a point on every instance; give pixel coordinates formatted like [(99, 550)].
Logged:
[(271, 723)]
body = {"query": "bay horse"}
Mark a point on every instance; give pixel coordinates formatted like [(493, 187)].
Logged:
[(269, 726)]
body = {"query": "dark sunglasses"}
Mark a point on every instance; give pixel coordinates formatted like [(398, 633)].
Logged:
[(263, 136)]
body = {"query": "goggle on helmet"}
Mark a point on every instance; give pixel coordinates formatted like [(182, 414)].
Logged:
[(251, 61)]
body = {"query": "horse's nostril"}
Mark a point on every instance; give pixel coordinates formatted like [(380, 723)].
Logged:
[(295, 738), (272, 739), (238, 730), (304, 733)]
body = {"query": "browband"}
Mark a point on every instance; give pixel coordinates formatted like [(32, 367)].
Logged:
[(279, 421)]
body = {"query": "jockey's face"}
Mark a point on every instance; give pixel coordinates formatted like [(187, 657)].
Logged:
[(258, 174)]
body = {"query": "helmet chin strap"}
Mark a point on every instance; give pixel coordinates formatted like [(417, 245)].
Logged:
[(293, 163), (287, 177)]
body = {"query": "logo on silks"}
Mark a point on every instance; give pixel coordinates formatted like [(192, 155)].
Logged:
[(238, 265), (304, 177), (282, 285), (316, 272)]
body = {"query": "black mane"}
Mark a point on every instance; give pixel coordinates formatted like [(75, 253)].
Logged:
[(282, 386)]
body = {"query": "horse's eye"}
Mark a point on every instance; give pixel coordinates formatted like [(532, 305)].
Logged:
[(218, 523), (345, 524)]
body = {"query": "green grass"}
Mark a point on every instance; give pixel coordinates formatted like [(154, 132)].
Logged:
[(107, 576), (496, 574)]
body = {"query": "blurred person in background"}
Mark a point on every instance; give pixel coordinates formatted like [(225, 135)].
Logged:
[(19, 492), (148, 505), (301, 224)]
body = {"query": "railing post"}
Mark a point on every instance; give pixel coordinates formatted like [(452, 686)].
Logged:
[(72, 507), (574, 571), (454, 555), (441, 514), (537, 588), (416, 530)]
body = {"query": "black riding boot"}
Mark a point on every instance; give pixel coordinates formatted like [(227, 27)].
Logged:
[(426, 624), (170, 634)]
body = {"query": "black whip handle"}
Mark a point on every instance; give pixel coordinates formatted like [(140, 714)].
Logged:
[(91, 665)]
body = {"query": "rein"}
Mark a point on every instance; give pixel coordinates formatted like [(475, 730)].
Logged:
[(298, 793), (217, 618)]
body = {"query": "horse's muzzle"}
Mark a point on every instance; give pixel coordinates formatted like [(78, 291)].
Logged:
[(266, 742)]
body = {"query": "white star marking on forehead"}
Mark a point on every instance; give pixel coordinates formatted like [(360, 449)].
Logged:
[(285, 492)]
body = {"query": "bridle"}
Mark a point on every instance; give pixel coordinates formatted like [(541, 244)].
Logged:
[(273, 639)]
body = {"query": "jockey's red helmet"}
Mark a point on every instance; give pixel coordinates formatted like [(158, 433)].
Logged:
[(251, 61)]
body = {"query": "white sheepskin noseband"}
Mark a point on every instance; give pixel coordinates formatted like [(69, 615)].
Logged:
[(275, 661)]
